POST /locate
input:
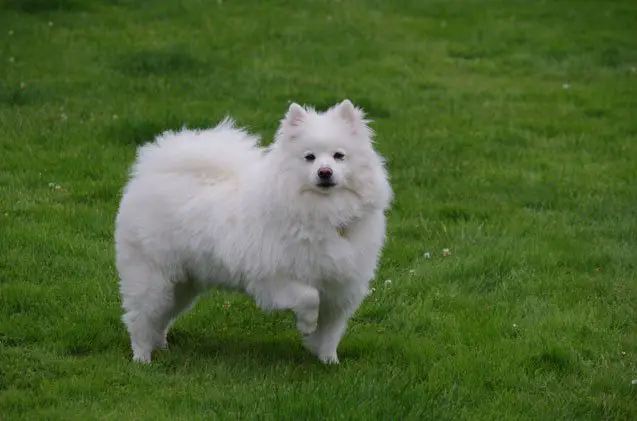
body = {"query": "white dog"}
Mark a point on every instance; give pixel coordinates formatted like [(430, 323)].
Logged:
[(299, 226)]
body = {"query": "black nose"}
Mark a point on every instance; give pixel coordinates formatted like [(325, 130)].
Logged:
[(325, 173)]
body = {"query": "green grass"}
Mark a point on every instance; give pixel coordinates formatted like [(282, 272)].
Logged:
[(511, 135)]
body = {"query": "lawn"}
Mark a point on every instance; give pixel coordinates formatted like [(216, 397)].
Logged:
[(510, 130)]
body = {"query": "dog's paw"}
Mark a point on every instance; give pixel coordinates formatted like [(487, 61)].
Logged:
[(329, 359), (141, 355), (307, 322), (142, 358), (311, 344)]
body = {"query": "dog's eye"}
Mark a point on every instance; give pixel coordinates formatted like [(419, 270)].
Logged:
[(339, 156), (310, 157)]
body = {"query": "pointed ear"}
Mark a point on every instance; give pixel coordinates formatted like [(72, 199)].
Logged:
[(348, 112), (295, 115), (355, 117)]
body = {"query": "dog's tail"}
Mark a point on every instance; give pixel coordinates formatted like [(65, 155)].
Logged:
[(220, 152)]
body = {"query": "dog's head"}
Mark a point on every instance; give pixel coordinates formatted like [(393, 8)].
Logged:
[(330, 151)]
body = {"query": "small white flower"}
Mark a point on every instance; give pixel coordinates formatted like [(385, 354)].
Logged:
[(63, 117), (515, 326), (50, 23), (446, 252), (427, 255), (10, 32), (115, 117), (566, 86), (634, 382), (412, 271), (388, 282)]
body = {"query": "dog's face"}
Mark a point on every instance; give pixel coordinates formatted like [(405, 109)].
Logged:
[(325, 165), (327, 151)]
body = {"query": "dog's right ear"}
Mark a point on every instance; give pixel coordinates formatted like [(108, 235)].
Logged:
[(295, 115)]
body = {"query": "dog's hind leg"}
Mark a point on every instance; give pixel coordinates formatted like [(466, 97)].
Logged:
[(148, 300), (185, 295)]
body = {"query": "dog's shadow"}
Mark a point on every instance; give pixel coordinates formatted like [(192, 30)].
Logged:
[(271, 350)]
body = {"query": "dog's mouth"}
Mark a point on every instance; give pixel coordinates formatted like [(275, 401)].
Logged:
[(325, 185)]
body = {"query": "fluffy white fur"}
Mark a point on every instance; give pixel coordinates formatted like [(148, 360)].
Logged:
[(211, 208)]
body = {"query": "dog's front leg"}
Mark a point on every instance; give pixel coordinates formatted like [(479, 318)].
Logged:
[(325, 340), (302, 299)]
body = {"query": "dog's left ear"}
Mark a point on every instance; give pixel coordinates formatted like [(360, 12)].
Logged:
[(353, 115)]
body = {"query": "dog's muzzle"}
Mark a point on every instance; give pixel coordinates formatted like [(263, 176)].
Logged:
[(325, 177)]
